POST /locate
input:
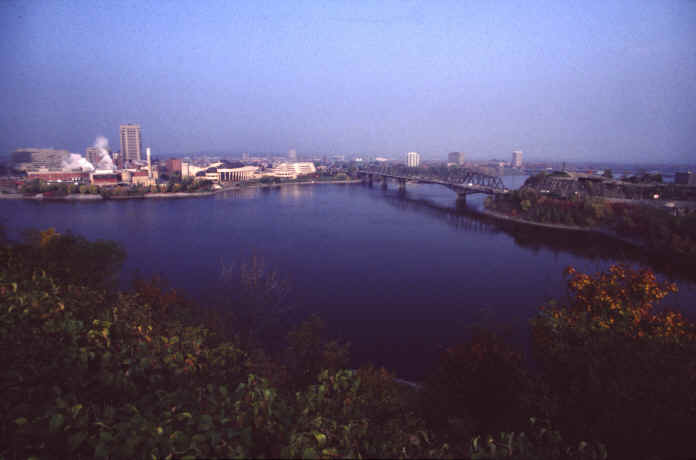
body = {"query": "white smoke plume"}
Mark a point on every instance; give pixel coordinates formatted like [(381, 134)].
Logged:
[(105, 161), (75, 161)]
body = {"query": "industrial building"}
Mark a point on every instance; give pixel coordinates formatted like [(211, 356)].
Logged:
[(33, 159), (75, 177)]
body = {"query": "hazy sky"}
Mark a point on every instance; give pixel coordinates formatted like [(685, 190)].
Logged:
[(569, 80)]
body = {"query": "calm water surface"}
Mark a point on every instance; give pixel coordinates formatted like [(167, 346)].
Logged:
[(399, 275)]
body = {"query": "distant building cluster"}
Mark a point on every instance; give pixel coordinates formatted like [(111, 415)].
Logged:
[(99, 166)]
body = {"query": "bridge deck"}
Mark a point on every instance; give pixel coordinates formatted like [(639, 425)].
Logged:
[(465, 183)]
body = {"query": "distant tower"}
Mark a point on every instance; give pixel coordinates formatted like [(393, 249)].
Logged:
[(131, 143), (456, 157), (292, 155), (412, 159), (517, 159), (149, 163)]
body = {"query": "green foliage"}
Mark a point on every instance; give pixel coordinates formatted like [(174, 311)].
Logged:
[(617, 370), (89, 372), (479, 386), (542, 442), (655, 227), (70, 259)]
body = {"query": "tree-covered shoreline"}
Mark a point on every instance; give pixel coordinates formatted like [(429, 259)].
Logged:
[(655, 229)]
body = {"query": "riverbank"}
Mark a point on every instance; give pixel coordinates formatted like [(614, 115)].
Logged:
[(92, 197), (600, 231), (498, 215)]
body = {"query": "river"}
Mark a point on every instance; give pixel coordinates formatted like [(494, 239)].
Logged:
[(399, 275)]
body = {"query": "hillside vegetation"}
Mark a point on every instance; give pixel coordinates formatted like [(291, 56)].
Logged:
[(89, 371)]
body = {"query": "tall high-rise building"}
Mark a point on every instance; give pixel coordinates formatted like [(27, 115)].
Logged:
[(412, 159), (456, 158), (516, 159), (292, 155), (131, 143)]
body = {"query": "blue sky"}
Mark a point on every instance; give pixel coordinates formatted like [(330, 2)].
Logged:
[(562, 80)]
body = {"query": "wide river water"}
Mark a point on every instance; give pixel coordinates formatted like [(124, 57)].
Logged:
[(399, 275)]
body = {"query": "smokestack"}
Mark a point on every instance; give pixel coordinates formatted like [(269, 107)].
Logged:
[(149, 163)]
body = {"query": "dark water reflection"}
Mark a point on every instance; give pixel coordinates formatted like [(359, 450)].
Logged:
[(400, 275)]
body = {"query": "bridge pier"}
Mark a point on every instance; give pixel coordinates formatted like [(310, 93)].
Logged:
[(384, 182), (369, 179), (402, 184), (461, 201)]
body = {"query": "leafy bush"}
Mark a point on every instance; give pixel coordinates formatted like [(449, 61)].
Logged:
[(619, 370)]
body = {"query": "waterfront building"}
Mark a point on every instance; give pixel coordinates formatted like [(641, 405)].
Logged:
[(241, 174), (292, 170), (75, 177), (142, 177), (412, 159), (173, 165), (516, 159), (191, 170), (33, 159), (131, 143), (104, 178), (456, 158)]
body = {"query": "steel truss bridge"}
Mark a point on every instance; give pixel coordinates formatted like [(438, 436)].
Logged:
[(462, 181)]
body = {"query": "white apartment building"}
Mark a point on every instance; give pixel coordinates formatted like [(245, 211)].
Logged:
[(412, 159)]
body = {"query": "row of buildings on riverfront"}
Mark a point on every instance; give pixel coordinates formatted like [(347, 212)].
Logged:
[(128, 166)]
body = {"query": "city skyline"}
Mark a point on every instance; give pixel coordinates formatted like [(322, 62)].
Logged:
[(588, 82)]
